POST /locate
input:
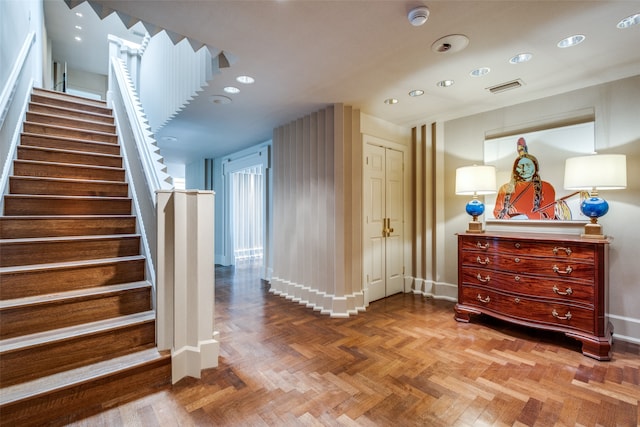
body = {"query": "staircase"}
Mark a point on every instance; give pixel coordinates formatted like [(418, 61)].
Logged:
[(77, 326)]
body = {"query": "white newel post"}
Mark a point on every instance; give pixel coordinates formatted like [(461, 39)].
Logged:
[(185, 294)]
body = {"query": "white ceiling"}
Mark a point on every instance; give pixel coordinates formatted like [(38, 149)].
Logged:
[(306, 54)]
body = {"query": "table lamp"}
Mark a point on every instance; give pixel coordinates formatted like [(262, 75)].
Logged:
[(593, 173), (475, 181)]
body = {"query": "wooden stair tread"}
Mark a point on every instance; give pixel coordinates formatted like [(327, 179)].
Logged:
[(67, 238), (63, 180), (57, 335), (54, 94), (54, 197), (67, 138), (71, 110), (63, 151), (95, 132), (79, 122), (65, 217), (86, 293), (45, 385), (67, 264), (74, 165)]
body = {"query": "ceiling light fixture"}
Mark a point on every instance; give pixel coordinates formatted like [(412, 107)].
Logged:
[(571, 41), (445, 83), (451, 43), (416, 92), (478, 72), (78, 27), (520, 58), (79, 15), (390, 101), (246, 80), (78, 38), (220, 99), (629, 21), (231, 89), (418, 15)]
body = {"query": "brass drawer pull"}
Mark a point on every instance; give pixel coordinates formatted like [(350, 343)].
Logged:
[(517, 300), (481, 246), (569, 291), (560, 248), (568, 270), (480, 261), (485, 280), (486, 300), (555, 314), (517, 278), (516, 260), (517, 245)]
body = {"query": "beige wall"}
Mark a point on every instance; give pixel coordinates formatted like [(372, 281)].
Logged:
[(617, 123)]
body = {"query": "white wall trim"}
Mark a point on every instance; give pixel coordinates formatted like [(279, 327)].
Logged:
[(327, 304), (625, 328), (436, 290)]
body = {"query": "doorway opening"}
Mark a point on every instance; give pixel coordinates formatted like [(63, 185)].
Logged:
[(247, 216)]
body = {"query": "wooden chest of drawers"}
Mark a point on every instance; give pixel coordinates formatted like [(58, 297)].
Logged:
[(547, 281)]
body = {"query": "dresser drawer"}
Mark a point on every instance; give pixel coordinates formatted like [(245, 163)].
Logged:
[(523, 309), (550, 268), (557, 250), (529, 285)]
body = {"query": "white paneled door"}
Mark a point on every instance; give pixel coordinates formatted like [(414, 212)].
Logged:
[(383, 219)]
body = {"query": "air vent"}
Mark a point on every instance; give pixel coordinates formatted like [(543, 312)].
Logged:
[(514, 84)]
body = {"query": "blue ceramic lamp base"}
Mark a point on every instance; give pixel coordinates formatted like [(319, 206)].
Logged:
[(594, 207), (475, 208)]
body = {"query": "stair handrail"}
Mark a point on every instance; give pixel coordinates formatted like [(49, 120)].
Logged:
[(146, 172), (14, 100)]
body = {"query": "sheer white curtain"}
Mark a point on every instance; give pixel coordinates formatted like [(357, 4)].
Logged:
[(247, 214)]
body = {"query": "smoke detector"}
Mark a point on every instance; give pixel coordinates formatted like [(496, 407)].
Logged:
[(418, 15), (451, 43)]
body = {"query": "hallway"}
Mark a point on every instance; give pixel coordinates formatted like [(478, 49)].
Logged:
[(404, 362)]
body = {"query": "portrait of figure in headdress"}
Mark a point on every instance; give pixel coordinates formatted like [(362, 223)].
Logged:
[(530, 174), (526, 195)]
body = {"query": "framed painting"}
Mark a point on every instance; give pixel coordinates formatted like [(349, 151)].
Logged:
[(530, 174)]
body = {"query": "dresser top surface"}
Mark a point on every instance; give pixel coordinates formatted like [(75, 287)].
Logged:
[(535, 236)]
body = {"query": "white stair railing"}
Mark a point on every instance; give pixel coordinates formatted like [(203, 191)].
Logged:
[(146, 172)]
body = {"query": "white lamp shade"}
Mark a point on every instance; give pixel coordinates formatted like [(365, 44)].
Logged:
[(476, 180), (599, 171)]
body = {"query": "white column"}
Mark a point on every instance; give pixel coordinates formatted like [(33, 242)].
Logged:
[(186, 281)]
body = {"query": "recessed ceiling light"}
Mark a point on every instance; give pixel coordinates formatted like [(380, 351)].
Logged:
[(78, 38), (445, 83), (231, 89), (521, 57), (416, 92), (480, 71), (571, 41), (629, 21), (79, 15), (390, 101), (247, 80), (78, 27)]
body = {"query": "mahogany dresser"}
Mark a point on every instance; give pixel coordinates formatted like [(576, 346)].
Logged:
[(554, 282)]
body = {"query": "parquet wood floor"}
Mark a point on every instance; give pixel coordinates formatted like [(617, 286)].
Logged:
[(403, 362)]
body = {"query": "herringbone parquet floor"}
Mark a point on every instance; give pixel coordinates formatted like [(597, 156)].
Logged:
[(403, 362)]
